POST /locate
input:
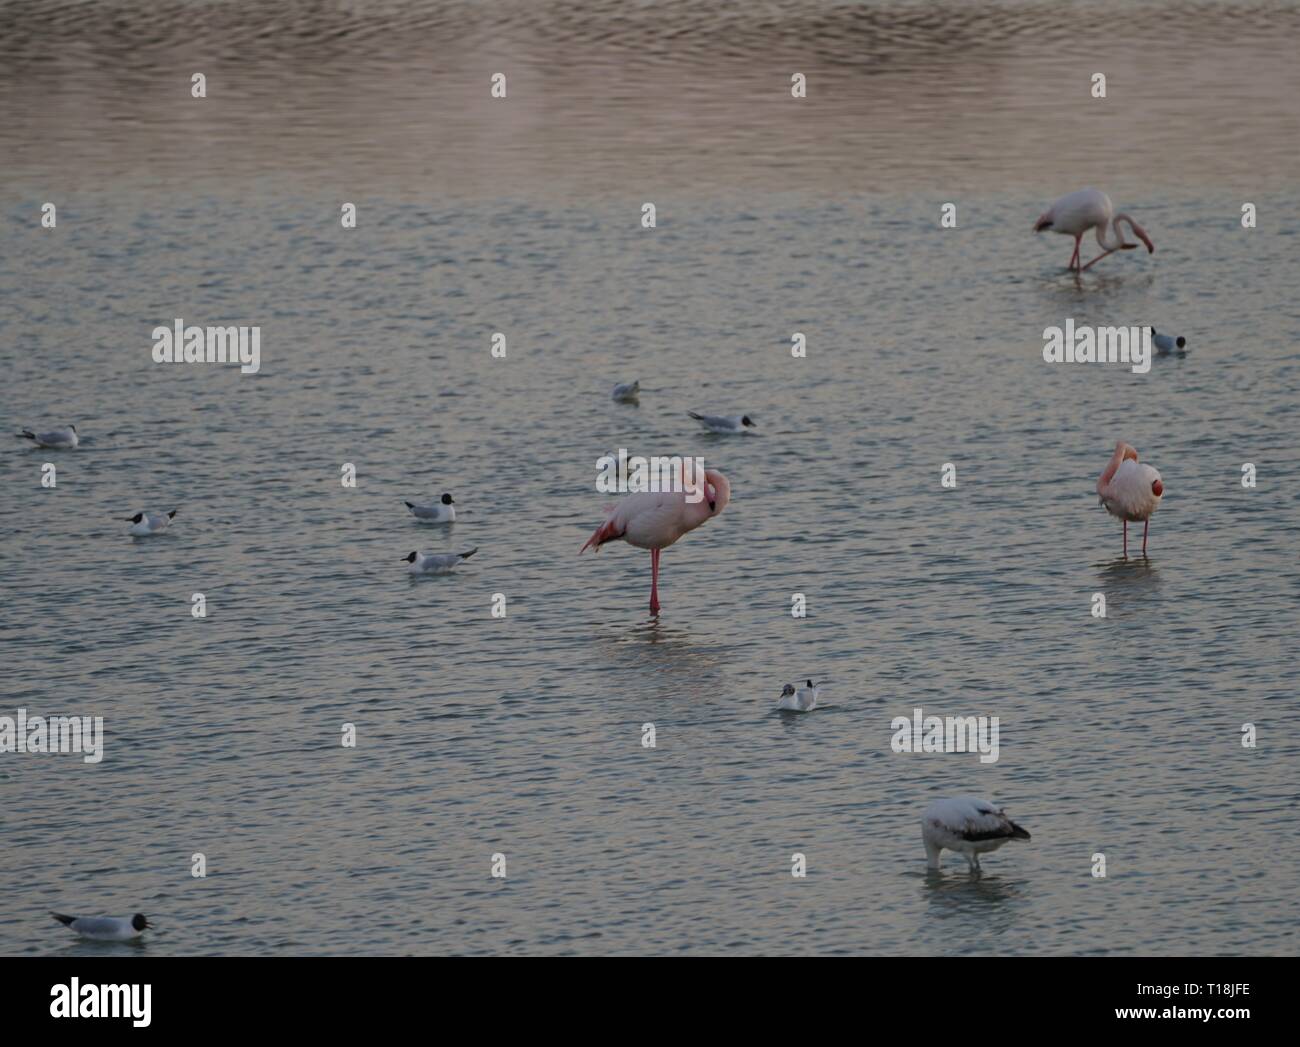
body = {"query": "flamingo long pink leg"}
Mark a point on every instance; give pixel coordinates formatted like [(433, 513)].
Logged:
[(1145, 525), (1125, 539), (654, 581), (1074, 258), (1098, 259), (1121, 247)]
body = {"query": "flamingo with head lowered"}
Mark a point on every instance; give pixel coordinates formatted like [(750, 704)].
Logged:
[(1130, 490), (654, 520), (1075, 213)]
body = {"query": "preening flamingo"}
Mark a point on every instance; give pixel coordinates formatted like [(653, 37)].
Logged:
[(1130, 490), (1075, 213), (654, 520)]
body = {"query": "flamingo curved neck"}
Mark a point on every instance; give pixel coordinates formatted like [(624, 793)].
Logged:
[(1119, 235)]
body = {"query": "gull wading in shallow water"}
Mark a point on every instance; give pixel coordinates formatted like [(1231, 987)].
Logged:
[(654, 520), (57, 439), (443, 511), (105, 928), (715, 423), (800, 701), (1075, 213), (435, 563), (968, 825), (145, 524), (1130, 490)]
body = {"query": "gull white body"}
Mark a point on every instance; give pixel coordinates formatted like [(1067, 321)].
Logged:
[(968, 825), (627, 393), (1130, 490), (145, 524), (801, 701), (443, 511), (436, 563), (105, 928), (1168, 343), (724, 425), (1075, 213), (655, 520), (55, 439)]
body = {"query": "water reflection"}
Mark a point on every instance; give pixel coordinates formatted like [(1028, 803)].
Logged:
[(396, 95)]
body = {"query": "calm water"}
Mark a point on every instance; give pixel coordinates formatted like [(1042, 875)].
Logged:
[(478, 735)]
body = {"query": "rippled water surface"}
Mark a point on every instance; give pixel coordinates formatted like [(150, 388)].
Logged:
[(523, 735)]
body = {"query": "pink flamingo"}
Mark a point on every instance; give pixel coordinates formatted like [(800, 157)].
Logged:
[(653, 521), (1130, 491), (1075, 213)]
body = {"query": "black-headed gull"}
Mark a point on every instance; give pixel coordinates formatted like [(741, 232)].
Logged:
[(800, 701), (1168, 343), (56, 438), (1130, 490), (105, 928), (715, 423), (627, 392), (968, 825), (145, 524), (435, 563), (438, 512)]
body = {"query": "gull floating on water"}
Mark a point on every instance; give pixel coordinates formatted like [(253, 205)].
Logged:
[(715, 423), (800, 701), (150, 523), (105, 928), (1168, 343), (627, 392), (440, 512), (1130, 491), (55, 438), (968, 825), (435, 563)]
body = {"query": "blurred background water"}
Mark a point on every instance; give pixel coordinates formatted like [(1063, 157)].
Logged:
[(478, 735)]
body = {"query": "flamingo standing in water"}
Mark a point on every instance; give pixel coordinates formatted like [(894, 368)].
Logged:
[(1075, 213), (1130, 491), (654, 520)]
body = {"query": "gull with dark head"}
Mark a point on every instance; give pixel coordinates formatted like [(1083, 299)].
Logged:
[(145, 524), (724, 425), (435, 563), (801, 701), (55, 439), (1168, 343), (105, 928), (443, 511)]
